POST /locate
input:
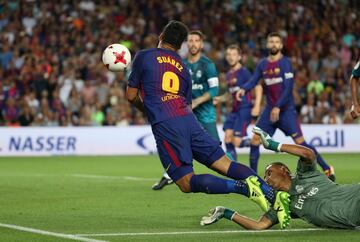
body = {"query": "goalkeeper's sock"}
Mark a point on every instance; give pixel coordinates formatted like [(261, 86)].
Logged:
[(319, 158), (238, 171), (254, 156), (245, 143)]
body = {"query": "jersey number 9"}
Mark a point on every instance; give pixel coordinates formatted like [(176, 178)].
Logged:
[(170, 82)]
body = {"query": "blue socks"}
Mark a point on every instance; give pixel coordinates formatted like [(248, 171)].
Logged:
[(230, 148), (211, 184), (254, 156), (319, 158)]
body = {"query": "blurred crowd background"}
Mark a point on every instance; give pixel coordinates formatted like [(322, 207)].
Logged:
[(51, 72)]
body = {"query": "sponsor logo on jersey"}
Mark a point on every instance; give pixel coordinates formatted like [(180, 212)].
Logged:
[(196, 86), (272, 81), (301, 199)]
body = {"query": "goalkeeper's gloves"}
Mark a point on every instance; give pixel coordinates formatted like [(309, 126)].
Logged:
[(267, 141)]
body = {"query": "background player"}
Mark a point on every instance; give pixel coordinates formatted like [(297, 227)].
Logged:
[(242, 111), (354, 83), (164, 83), (314, 198), (205, 86), (280, 110)]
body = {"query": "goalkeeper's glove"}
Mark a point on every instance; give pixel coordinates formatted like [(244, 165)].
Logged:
[(266, 140)]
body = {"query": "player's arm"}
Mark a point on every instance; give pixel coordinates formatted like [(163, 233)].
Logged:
[(354, 84), (220, 212), (248, 223), (250, 84), (213, 82), (306, 155), (132, 95), (257, 105), (132, 91)]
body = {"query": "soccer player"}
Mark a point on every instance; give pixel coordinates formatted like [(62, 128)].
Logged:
[(354, 83), (160, 85), (240, 117), (314, 198), (279, 111), (205, 86)]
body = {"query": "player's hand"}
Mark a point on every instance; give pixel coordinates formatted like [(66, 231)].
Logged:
[(355, 111), (275, 113), (216, 100), (255, 111), (266, 140), (239, 94)]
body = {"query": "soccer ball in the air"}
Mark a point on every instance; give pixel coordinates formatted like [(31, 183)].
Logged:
[(116, 57)]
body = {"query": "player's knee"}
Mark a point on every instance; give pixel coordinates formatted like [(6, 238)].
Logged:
[(299, 140), (227, 139), (255, 140), (184, 184)]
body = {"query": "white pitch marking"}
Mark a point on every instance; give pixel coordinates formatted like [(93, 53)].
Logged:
[(53, 234), (131, 178), (204, 232)]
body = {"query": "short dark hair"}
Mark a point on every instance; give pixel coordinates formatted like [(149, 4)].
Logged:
[(234, 47), (274, 34), (175, 33), (278, 163), (198, 33)]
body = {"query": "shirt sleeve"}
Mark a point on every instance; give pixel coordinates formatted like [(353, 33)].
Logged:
[(212, 79), (254, 79), (288, 85), (136, 71), (304, 169), (189, 88), (356, 70)]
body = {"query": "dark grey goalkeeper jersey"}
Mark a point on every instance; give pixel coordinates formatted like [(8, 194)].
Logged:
[(319, 201)]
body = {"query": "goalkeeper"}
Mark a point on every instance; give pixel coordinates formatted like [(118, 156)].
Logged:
[(314, 198)]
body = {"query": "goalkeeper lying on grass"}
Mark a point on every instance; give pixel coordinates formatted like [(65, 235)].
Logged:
[(314, 198)]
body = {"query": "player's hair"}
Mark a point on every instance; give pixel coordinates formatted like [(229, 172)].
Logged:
[(234, 47), (278, 163), (274, 34), (175, 33), (198, 33)]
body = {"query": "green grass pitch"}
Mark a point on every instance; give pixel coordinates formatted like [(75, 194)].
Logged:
[(104, 195)]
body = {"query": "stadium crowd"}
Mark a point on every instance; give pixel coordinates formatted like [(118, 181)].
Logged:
[(51, 72)]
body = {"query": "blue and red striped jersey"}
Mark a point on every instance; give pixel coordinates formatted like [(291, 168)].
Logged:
[(235, 80), (278, 83), (164, 83)]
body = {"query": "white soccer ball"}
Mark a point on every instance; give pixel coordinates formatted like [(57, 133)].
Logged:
[(116, 57)]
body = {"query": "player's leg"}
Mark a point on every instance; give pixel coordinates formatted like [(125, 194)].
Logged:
[(290, 125), (265, 124), (241, 123), (228, 139), (228, 129)]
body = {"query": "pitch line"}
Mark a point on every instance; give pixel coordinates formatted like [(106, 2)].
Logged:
[(130, 178), (49, 233), (203, 232)]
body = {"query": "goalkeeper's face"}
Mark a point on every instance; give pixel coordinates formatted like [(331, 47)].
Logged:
[(276, 176), (274, 45)]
